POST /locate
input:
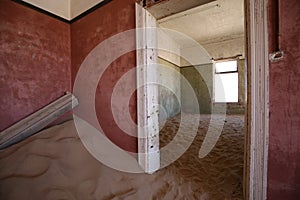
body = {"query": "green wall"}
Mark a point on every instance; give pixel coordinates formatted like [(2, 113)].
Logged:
[(169, 90), (200, 79)]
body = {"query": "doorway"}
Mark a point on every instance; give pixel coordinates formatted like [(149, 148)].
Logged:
[(255, 97)]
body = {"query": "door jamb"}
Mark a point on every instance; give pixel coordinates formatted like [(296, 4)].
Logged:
[(147, 93), (256, 154)]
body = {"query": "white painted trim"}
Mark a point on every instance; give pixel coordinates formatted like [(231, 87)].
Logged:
[(147, 95), (259, 99), (37, 121)]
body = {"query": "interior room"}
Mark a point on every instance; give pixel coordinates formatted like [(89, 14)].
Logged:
[(216, 76), (149, 99)]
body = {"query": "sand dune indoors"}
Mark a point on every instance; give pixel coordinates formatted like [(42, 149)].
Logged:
[(54, 164)]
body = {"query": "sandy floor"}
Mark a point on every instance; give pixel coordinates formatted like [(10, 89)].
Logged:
[(54, 165)]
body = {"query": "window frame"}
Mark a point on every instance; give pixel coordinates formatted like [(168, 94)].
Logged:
[(227, 72)]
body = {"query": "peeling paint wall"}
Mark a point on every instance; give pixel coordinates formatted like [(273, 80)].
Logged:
[(226, 48), (194, 55), (284, 125), (35, 61), (240, 107), (202, 83), (168, 48), (114, 17), (169, 89), (168, 76), (202, 89)]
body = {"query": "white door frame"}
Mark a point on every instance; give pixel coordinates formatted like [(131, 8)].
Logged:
[(256, 162), (147, 93), (256, 148)]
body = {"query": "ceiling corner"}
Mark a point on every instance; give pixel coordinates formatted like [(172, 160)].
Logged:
[(78, 7), (66, 9), (60, 8)]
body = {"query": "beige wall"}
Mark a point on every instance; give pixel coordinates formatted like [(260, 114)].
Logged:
[(226, 48), (169, 89), (200, 78)]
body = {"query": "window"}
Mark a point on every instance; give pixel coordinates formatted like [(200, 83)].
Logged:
[(226, 81)]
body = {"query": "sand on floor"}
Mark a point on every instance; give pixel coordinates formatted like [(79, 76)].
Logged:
[(54, 164)]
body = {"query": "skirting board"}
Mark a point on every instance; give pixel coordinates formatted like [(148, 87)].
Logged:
[(37, 121)]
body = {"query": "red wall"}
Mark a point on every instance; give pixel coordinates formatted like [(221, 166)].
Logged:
[(34, 61), (284, 141), (35, 70), (115, 17)]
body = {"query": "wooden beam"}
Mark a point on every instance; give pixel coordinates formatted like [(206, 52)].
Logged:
[(37, 121)]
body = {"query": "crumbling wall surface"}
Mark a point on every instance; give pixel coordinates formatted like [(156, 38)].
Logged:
[(239, 107), (284, 137), (169, 89), (34, 61), (88, 32), (196, 76)]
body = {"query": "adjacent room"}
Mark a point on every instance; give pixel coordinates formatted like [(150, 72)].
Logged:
[(199, 88)]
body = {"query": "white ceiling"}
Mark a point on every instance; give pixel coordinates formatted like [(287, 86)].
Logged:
[(67, 9), (170, 7), (217, 21), (215, 24)]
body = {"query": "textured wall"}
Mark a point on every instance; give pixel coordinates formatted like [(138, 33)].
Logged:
[(239, 108), (201, 88), (114, 17), (168, 48), (35, 61), (284, 138), (169, 91), (226, 48), (204, 91)]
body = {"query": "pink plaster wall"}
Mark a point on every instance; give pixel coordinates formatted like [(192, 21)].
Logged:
[(35, 70), (115, 17), (284, 141), (34, 61)]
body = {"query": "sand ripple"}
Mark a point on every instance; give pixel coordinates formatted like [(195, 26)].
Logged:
[(54, 165)]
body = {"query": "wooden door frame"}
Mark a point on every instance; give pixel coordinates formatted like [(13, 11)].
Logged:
[(256, 145), (147, 95), (257, 137)]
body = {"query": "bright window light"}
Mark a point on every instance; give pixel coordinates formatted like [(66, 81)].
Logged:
[(228, 66), (226, 82)]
